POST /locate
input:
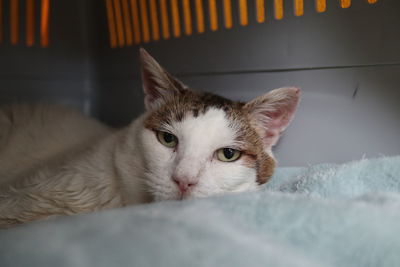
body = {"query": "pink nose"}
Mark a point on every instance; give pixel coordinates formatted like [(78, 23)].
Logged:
[(183, 184)]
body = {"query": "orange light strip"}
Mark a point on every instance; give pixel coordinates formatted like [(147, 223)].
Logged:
[(345, 3), (298, 8), (44, 23), (200, 16), (119, 22), (1, 21), (118, 17), (111, 24), (127, 22), (154, 20), (164, 19), (175, 18), (187, 17), (228, 14), (30, 23), (320, 6), (135, 21), (278, 8), (212, 6), (244, 20), (145, 21), (260, 11), (14, 21)]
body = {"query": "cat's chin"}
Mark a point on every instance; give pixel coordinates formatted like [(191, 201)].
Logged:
[(180, 197), (176, 196)]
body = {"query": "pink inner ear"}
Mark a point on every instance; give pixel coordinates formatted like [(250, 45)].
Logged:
[(276, 120), (279, 119), (151, 94), (149, 87)]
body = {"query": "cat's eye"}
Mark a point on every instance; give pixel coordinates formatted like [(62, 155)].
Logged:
[(228, 154), (167, 139)]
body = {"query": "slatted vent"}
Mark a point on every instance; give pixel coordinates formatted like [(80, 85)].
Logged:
[(28, 15), (141, 21)]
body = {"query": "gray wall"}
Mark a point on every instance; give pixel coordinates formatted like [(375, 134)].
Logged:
[(347, 62), (61, 73)]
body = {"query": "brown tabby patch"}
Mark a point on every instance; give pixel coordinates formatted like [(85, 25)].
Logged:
[(196, 103)]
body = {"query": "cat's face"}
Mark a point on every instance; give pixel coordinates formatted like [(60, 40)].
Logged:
[(199, 144)]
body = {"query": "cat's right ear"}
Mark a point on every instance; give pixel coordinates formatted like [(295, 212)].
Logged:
[(158, 85), (272, 112)]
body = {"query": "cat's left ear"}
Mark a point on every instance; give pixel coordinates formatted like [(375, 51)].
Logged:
[(271, 113), (158, 85)]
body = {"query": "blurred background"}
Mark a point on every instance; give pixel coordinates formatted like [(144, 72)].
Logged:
[(345, 55)]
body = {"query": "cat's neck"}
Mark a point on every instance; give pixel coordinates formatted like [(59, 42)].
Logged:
[(129, 165), (117, 166)]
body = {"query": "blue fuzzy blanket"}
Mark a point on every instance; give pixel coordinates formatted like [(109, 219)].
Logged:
[(324, 215)]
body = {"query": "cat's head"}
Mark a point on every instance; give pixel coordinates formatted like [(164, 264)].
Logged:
[(200, 144)]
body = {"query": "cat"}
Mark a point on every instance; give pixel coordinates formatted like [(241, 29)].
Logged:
[(56, 161)]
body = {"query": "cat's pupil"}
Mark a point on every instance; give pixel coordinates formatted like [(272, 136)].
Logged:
[(169, 137), (229, 153)]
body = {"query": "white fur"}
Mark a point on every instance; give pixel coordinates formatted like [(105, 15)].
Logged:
[(195, 159), (56, 161)]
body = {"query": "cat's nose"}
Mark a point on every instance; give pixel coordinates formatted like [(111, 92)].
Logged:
[(183, 184)]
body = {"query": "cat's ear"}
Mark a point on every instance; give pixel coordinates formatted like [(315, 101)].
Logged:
[(158, 84), (272, 112)]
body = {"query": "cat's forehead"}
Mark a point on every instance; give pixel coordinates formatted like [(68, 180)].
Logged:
[(220, 121), (193, 111), (193, 104), (206, 132)]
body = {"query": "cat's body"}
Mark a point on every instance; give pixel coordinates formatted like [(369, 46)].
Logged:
[(56, 161), (65, 162), (33, 135)]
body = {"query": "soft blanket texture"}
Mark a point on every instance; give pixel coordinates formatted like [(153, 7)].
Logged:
[(324, 215)]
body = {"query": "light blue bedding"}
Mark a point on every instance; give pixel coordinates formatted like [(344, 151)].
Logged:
[(324, 215)]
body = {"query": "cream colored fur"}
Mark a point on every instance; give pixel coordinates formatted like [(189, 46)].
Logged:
[(56, 161)]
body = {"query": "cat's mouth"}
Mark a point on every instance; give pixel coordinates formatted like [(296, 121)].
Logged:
[(183, 195)]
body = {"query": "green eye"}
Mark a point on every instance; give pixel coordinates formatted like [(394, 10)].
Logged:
[(167, 139), (228, 154)]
